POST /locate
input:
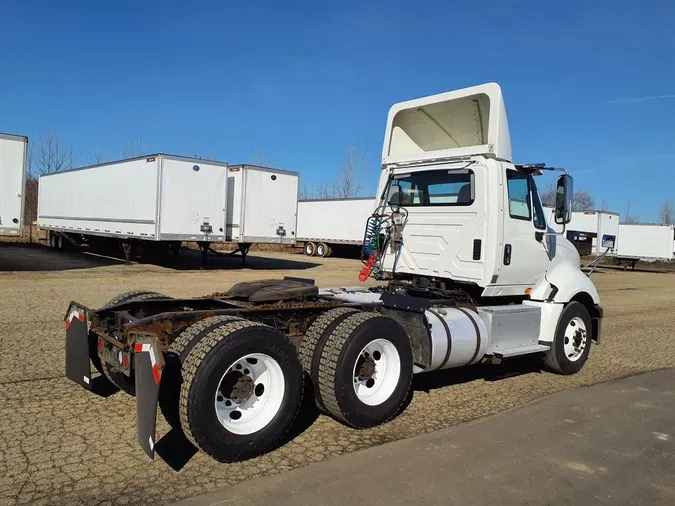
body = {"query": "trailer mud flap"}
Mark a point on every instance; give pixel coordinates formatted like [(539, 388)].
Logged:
[(78, 367), (149, 364)]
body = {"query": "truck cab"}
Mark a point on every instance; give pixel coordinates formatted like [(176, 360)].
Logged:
[(467, 215)]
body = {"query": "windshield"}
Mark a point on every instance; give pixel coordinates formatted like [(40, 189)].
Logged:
[(432, 188)]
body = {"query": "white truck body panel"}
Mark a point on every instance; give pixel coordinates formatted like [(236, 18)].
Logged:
[(12, 183), (651, 242), (159, 197), (461, 123), (264, 205), (334, 221)]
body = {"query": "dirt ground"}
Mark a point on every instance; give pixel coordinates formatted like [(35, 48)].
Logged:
[(60, 444)]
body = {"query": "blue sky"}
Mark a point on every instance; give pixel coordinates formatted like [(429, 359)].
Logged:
[(588, 85)]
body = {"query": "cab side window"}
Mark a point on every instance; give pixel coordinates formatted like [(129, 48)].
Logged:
[(520, 206)]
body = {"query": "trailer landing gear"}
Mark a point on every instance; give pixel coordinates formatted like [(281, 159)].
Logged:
[(242, 248), (127, 248)]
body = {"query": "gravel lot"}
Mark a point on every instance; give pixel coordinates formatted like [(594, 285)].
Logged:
[(62, 445)]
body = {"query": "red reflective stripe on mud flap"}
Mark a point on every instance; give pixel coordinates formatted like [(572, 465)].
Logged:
[(155, 373), (73, 314)]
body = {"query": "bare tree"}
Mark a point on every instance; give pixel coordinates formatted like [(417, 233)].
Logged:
[(261, 158), (629, 217), (134, 149), (667, 212), (98, 156), (349, 182), (548, 196), (582, 200), (305, 192), (53, 155)]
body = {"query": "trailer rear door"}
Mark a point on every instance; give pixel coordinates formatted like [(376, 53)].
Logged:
[(12, 181), (193, 200), (270, 205)]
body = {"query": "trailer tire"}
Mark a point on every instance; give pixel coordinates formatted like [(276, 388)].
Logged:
[(59, 243), (172, 377), (365, 400), (310, 249), (52, 240), (313, 342), (214, 376), (323, 250), (120, 380), (572, 341)]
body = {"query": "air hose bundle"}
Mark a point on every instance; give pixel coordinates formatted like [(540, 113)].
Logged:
[(374, 246), (371, 244)]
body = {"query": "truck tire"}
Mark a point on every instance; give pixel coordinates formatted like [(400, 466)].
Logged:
[(365, 370), (52, 240), (172, 377), (314, 341), (134, 296), (572, 341), (323, 250), (310, 249), (59, 243), (242, 389), (120, 380)]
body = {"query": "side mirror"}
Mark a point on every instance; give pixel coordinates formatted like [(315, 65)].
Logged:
[(563, 199)]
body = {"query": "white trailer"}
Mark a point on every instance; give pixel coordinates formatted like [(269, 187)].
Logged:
[(164, 200), (592, 232), (12, 183), (324, 225), (262, 205), (645, 242)]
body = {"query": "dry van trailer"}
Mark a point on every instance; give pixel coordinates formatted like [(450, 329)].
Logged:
[(592, 232), (156, 202), (12, 183), (327, 224), (642, 241)]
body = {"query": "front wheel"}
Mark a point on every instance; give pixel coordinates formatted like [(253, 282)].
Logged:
[(572, 342)]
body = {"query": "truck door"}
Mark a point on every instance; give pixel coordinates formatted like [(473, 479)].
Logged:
[(524, 257)]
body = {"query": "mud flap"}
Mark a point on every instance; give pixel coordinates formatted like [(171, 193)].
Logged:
[(78, 368), (149, 364)]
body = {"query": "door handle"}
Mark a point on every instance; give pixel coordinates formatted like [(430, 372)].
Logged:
[(507, 254)]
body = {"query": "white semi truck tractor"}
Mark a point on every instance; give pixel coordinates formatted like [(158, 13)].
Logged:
[(469, 272)]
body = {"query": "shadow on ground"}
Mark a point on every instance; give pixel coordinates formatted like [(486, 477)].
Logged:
[(35, 257), (192, 260)]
